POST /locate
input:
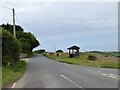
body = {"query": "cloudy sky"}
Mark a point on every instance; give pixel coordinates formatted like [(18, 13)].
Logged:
[(91, 25)]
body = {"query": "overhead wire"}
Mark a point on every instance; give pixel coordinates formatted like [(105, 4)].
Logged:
[(15, 13), (11, 9), (17, 19), (5, 7)]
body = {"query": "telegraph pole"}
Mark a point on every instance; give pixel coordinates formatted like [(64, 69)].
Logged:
[(55, 50), (14, 33)]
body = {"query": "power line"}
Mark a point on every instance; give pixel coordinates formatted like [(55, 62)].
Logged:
[(5, 7), (11, 9), (14, 31), (17, 19), (14, 15)]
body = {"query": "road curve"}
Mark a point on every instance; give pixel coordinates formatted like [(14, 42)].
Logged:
[(45, 73)]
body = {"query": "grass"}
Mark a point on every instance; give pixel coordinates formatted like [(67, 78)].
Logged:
[(116, 54), (92, 63), (0, 77), (13, 72), (82, 59)]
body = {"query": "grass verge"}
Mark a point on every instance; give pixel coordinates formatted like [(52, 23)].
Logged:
[(0, 77), (83, 60), (92, 63), (13, 72)]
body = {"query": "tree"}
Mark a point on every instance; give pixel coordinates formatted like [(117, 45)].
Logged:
[(40, 51), (59, 51), (9, 28), (28, 41)]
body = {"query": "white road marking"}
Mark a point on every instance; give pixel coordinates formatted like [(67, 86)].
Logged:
[(71, 81), (14, 85), (104, 74), (112, 76), (98, 71), (88, 70), (108, 75), (118, 76)]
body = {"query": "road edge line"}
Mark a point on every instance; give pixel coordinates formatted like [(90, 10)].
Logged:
[(14, 85)]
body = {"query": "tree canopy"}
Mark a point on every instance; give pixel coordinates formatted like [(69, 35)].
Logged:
[(27, 40), (9, 27), (40, 51), (59, 51)]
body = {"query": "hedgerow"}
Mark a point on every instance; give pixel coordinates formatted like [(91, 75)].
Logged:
[(10, 49)]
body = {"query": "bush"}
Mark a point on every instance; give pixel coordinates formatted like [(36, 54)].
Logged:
[(40, 51), (10, 48), (18, 67), (59, 51), (106, 55), (92, 57)]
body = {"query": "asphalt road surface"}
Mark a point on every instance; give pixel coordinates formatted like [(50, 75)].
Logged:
[(45, 73)]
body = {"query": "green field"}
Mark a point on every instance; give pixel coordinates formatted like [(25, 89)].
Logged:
[(101, 61), (116, 54), (12, 73)]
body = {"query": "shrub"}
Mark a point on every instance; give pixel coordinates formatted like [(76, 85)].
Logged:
[(92, 57), (18, 67), (40, 51), (59, 51), (10, 48), (106, 55)]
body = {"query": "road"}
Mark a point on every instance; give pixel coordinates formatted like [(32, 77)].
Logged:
[(45, 73)]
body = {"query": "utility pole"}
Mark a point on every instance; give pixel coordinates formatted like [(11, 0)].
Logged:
[(14, 33), (55, 50)]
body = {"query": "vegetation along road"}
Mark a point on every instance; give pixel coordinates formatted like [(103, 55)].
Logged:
[(45, 73)]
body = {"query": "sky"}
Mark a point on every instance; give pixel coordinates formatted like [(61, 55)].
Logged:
[(58, 24)]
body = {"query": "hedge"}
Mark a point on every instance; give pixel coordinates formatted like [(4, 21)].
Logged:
[(92, 58), (10, 49)]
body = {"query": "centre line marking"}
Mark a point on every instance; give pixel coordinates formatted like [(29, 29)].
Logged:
[(98, 71), (111, 74), (71, 81), (14, 85), (104, 74), (88, 70)]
